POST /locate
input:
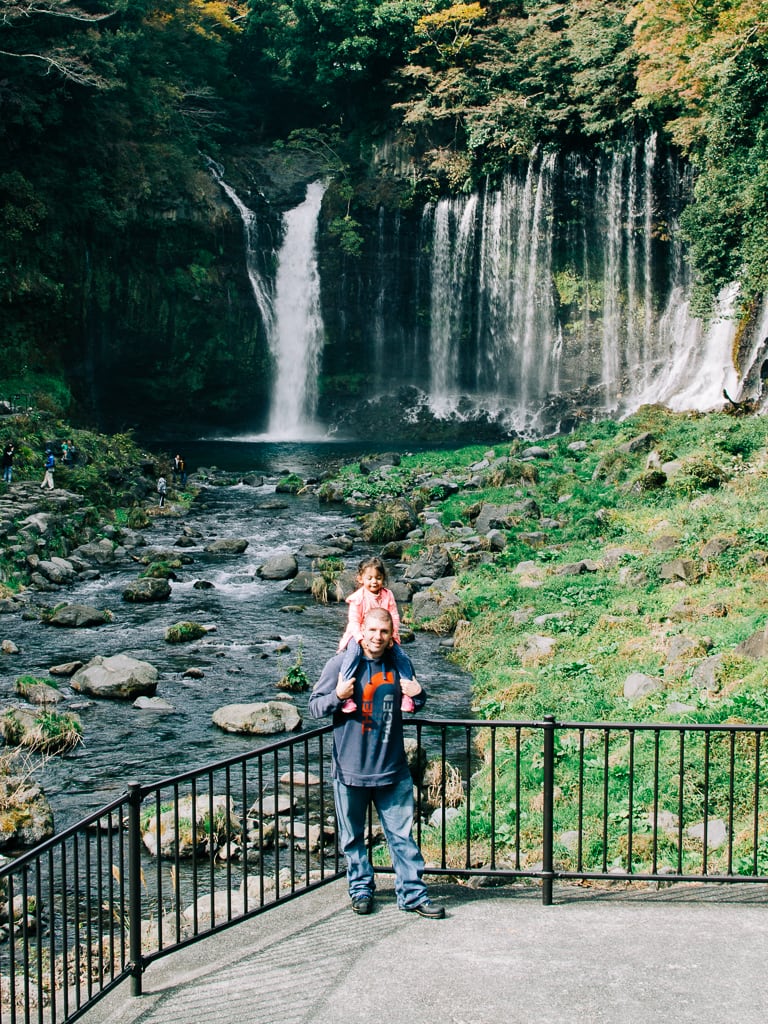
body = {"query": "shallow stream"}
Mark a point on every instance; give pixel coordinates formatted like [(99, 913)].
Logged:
[(239, 660)]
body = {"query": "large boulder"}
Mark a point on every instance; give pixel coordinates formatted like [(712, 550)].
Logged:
[(117, 678), (28, 819), (262, 718), (147, 589), (281, 567), (78, 616), (227, 546)]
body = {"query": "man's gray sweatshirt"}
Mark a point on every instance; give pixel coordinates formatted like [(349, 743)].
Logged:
[(368, 743)]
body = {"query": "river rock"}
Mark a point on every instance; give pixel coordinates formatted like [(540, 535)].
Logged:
[(262, 718), (147, 589), (281, 567), (8, 647), (432, 564), (302, 582), (119, 677), (102, 552), (374, 463), (55, 570), (435, 601), (638, 685), (77, 616), (28, 820), (67, 668), (37, 692), (227, 546), (679, 569), (171, 834), (152, 704)]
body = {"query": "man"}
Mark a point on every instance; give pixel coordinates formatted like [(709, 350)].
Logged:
[(369, 764)]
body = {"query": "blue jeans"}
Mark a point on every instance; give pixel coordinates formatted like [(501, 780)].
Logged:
[(394, 804)]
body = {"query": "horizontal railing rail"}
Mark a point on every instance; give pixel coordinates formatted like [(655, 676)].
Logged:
[(174, 861)]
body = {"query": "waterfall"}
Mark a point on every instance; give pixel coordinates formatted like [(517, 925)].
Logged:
[(453, 234), (296, 339), (255, 250), (289, 307), (559, 290)]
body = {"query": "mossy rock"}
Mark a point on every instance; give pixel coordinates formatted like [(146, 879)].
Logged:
[(184, 632)]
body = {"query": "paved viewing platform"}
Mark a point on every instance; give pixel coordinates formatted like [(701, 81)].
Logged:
[(637, 955)]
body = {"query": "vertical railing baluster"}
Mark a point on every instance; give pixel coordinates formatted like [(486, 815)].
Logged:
[(705, 838), (275, 789), (655, 837), (580, 807), (228, 837), (176, 880), (52, 929), (134, 885), (756, 802), (548, 810), (606, 769), (468, 803), (493, 798), (680, 800), (631, 800), (211, 851)]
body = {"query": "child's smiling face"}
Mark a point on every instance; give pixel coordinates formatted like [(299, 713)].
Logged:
[(372, 580)]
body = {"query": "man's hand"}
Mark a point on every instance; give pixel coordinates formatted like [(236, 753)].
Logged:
[(345, 688), (411, 687)]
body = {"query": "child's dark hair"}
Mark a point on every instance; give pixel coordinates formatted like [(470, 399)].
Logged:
[(374, 562)]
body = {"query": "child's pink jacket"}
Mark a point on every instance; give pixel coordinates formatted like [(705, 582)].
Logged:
[(360, 603)]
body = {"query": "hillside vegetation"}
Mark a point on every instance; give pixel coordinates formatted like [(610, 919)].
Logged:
[(624, 567)]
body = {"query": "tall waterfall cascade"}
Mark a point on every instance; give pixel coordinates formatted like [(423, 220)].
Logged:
[(296, 339), (568, 279), (558, 292), (288, 303)]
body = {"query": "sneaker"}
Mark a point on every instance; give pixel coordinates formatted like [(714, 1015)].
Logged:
[(348, 706), (406, 704), (362, 904), (428, 909)]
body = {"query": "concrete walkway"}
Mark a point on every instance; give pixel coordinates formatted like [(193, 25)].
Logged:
[(682, 954)]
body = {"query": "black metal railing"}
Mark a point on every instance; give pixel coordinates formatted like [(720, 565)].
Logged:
[(172, 862)]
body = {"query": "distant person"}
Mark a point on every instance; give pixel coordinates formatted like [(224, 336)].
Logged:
[(372, 593), (8, 451), (369, 766), (65, 453), (162, 487), (50, 464), (179, 470)]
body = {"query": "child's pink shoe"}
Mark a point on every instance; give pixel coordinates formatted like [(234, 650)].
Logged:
[(406, 704), (349, 706)]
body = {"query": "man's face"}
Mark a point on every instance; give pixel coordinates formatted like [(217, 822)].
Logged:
[(377, 636)]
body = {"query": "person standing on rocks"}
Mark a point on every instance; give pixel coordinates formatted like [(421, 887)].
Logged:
[(370, 766), (162, 487), (50, 463), (8, 462)]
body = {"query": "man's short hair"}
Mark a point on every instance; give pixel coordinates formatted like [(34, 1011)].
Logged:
[(379, 613)]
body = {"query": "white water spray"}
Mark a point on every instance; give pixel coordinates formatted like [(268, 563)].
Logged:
[(296, 339)]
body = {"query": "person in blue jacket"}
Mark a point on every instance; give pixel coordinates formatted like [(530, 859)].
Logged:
[(369, 765)]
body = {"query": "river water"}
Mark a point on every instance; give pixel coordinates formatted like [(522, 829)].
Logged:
[(240, 661)]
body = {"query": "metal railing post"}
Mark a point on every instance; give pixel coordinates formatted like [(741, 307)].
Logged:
[(134, 885), (548, 804)]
